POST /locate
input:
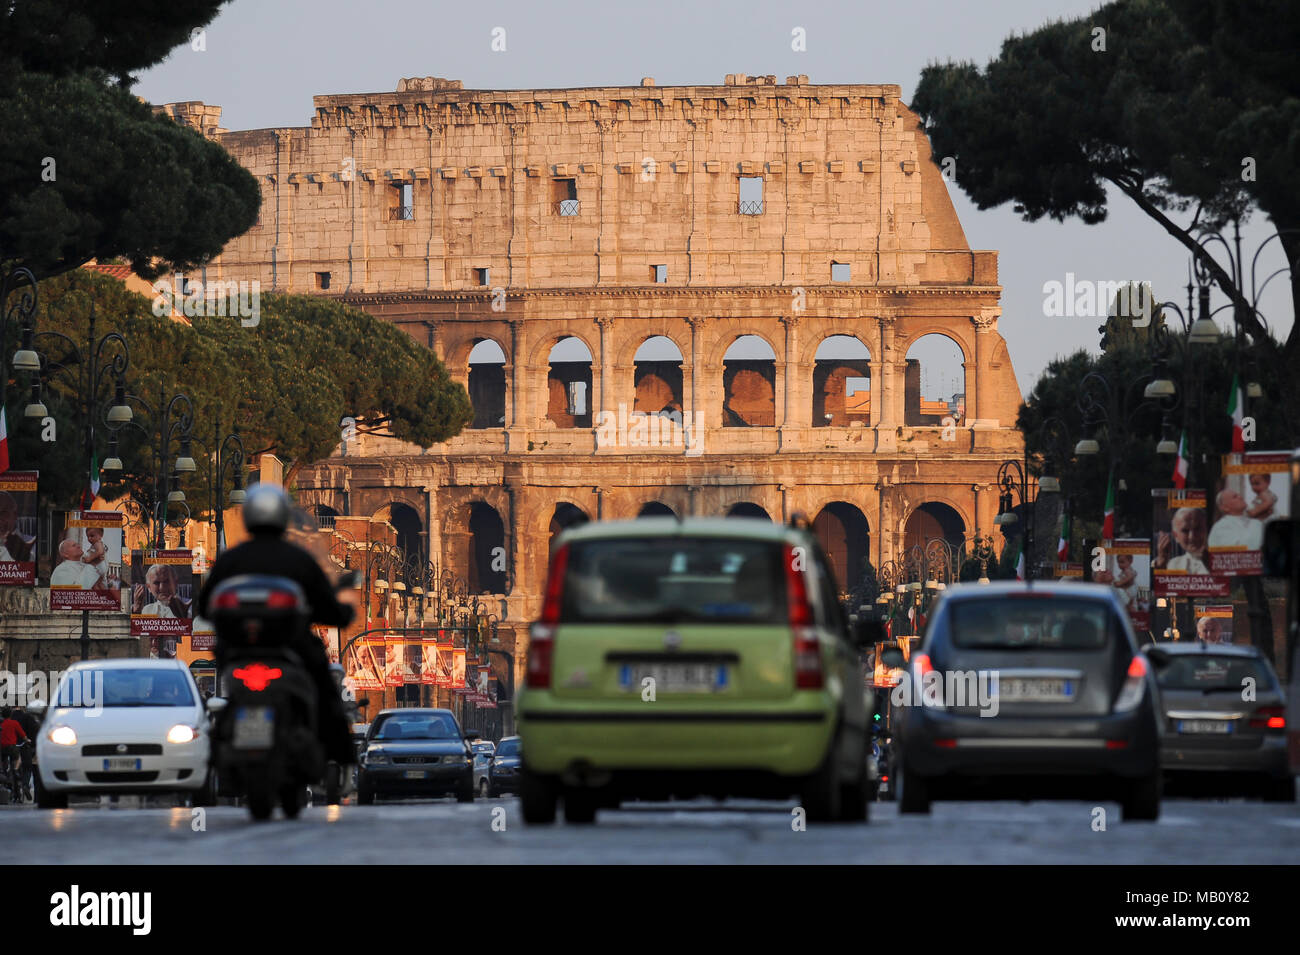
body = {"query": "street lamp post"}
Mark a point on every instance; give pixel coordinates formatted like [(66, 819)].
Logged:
[(21, 283), (224, 454), (172, 420), (102, 357)]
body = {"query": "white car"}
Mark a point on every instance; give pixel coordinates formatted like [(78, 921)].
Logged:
[(122, 726)]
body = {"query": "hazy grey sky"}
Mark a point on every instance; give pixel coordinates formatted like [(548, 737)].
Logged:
[(265, 59)]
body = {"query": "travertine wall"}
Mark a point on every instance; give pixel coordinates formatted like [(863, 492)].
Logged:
[(847, 178)]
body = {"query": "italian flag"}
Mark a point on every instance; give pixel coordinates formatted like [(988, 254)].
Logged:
[(1020, 559), (1063, 544), (1181, 463), (1108, 522), (1235, 404), (4, 442)]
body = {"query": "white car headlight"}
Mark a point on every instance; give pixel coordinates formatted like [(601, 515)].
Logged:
[(376, 756), (62, 736), (181, 733)]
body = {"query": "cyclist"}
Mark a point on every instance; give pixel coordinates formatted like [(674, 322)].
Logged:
[(12, 736)]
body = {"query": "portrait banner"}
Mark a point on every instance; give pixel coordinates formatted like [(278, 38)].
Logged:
[(1213, 622), (1179, 553), (88, 571), (1255, 488), (18, 528), (162, 598), (458, 670), (429, 660), (394, 657), (1128, 570), (445, 648)]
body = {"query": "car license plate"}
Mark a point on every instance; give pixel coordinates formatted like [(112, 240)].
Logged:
[(1219, 727), (674, 677), (121, 765), (254, 727), (1035, 690), (415, 774)]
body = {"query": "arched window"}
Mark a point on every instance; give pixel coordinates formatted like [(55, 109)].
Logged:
[(657, 376), (566, 515), (568, 384), (749, 384), (655, 509), (934, 382), (487, 550), (487, 385), (841, 391), (746, 509)]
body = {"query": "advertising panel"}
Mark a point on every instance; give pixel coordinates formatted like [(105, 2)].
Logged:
[(1255, 488), (1180, 554), (88, 571), (162, 604), (18, 528)]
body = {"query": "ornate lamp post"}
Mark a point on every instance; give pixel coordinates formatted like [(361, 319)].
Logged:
[(22, 284), (171, 420), (225, 454)]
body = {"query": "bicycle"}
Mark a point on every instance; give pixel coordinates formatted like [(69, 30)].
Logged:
[(12, 773)]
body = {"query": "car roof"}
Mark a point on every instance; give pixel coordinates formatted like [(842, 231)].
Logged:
[(415, 710), (129, 663), (1184, 648), (733, 527), (1053, 588)]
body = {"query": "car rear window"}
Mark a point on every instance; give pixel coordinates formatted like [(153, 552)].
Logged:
[(1214, 672), (671, 579), (509, 747), (1031, 623)]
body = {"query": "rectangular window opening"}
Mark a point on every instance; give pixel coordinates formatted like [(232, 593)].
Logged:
[(841, 272), (564, 193), (751, 195), (659, 274), (483, 276), (403, 208), (322, 280)]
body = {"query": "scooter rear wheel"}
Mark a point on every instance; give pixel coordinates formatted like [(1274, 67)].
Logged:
[(261, 798)]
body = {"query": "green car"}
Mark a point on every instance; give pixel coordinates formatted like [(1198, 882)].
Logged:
[(686, 658)]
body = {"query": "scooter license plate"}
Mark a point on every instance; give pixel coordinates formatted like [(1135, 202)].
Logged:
[(254, 727)]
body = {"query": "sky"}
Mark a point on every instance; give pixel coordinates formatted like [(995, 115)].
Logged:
[(263, 60)]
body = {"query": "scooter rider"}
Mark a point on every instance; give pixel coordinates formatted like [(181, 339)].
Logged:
[(266, 516)]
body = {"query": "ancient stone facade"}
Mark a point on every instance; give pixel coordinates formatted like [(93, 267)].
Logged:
[(510, 221)]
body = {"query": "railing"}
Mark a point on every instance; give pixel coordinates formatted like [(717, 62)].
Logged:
[(751, 207), (568, 207), (325, 522), (402, 213)]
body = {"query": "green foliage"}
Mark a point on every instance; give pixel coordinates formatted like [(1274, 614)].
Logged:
[(86, 169), (1127, 366), (283, 385), (1183, 91)]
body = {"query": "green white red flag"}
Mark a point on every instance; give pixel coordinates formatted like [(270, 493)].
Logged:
[(1108, 522), (1182, 463), (1235, 405)]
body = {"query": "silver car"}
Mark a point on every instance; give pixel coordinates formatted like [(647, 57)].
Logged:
[(484, 750), (1029, 690), (1225, 717)]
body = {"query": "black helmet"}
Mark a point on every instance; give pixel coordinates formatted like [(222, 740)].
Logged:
[(267, 508)]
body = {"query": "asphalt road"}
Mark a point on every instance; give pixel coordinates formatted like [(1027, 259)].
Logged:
[(491, 831)]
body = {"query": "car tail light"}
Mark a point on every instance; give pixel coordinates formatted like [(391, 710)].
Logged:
[(227, 601), (551, 604), (541, 650), (808, 674), (281, 600), (1116, 744), (923, 665), (946, 743), (1135, 684), (1269, 717)]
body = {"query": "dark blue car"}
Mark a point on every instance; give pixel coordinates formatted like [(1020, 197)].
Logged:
[(504, 775)]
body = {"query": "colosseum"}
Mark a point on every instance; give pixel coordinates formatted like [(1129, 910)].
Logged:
[(698, 300)]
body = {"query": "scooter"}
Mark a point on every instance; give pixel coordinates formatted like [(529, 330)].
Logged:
[(265, 743)]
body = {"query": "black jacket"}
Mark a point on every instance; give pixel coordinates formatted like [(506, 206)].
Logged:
[(272, 554)]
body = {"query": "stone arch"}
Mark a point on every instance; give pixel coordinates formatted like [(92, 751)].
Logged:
[(934, 385), (718, 341), (749, 383), (844, 533), (748, 509), (657, 378), (841, 382), (655, 509), (564, 515), (457, 350), (934, 518), (485, 380), (542, 347), (488, 557), (568, 383), (404, 517), (625, 347)]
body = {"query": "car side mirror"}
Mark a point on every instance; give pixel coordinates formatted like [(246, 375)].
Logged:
[(868, 631), (1279, 536), (215, 705), (1157, 655)]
